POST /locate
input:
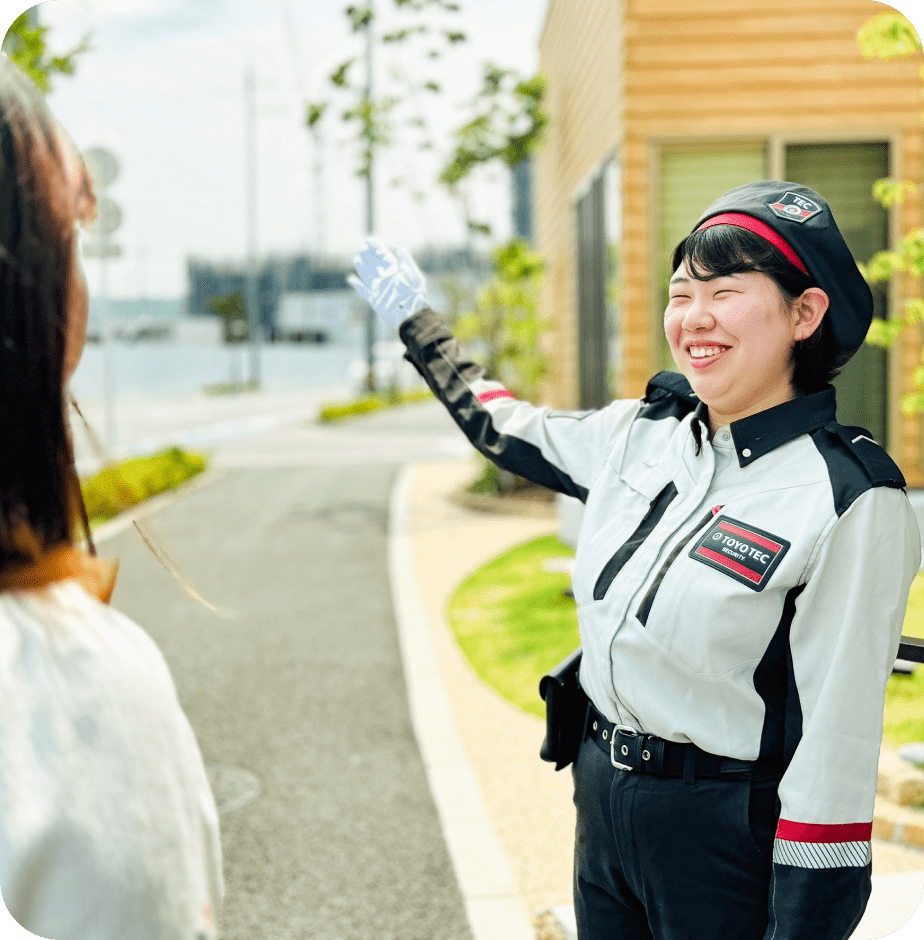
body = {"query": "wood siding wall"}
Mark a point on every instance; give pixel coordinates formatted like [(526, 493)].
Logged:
[(634, 74), (581, 52)]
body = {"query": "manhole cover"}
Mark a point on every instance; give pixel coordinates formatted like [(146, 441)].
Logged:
[(231, 786)]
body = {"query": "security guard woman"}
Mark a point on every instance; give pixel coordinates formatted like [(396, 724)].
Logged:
[(741, 578)]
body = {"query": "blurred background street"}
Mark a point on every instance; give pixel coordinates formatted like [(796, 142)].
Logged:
[(539, 158)]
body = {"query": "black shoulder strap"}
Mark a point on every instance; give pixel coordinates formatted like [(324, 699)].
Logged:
[(673, 383), (878, 465)]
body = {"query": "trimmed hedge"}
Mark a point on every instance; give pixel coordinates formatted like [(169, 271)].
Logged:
[(118, 488), (338, 410)]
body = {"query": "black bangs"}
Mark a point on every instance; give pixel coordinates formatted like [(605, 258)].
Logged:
[(722, 250)]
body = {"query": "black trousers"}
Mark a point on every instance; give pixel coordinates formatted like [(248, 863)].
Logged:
[(659, 859)]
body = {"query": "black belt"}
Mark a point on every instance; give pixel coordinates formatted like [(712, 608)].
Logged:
[(629, 749)]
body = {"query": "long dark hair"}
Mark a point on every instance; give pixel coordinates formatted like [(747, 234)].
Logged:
[(39, 493), (726, 249)]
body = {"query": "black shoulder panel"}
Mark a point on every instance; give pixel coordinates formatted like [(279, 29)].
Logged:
[(668, 395), (855, 462)]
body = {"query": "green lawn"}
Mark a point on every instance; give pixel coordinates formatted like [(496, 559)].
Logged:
[(514, 623)]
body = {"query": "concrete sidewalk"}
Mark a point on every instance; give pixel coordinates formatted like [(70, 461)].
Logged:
[(523, 808)]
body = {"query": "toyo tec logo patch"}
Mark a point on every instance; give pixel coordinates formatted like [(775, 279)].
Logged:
[(794, 207)]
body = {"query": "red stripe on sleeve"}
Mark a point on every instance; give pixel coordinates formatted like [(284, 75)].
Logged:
[(812, 832), (494, 393)]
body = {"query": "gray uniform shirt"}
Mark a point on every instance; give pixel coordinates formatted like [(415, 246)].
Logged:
[(746, 594)]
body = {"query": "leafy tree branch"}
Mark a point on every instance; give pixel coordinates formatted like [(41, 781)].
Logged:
[(888, 36), (27, 47)]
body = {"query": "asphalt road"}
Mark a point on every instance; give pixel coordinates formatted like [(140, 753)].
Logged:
[(300, 684)]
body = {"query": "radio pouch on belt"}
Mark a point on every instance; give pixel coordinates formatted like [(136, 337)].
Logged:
[(565, 711)]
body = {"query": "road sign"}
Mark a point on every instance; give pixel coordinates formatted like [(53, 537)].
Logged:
[(108, 217), (103, 166)]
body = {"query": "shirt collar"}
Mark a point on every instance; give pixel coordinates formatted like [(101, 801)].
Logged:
[(760, 433)]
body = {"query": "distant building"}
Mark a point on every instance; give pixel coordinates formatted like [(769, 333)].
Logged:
[(318, 316), (143, 318), (303, 297)]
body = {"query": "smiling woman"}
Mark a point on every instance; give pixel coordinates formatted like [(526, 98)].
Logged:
[(741, 576)]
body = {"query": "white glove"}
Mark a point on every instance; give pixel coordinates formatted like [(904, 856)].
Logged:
[(389, 281)]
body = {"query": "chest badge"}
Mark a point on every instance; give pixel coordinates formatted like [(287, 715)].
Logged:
[(741, 551)]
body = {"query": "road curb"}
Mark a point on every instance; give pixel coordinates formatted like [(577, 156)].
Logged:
[(494, 907)]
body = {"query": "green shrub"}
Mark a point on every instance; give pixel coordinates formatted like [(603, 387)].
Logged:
[(126, 484), (337, 410)]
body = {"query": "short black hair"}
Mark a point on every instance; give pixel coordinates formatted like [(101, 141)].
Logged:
[(727, 249)]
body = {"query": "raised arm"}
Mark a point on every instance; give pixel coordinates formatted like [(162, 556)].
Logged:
[(563, 450)]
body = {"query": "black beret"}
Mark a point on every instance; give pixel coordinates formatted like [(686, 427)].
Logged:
[(804, 221)]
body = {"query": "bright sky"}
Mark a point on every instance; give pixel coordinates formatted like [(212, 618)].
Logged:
[(162, 88)]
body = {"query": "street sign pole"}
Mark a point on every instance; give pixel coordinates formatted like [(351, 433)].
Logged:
[(370, 207), (104, 169), (250, 182)]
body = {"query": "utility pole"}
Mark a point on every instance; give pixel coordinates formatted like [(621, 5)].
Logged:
[(254, 326), (370, 207), (318, 172), (104, 168)]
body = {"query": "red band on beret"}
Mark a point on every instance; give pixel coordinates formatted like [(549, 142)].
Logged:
[(758, 228)]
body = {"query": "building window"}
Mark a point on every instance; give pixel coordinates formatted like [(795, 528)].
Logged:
[(598, 219)]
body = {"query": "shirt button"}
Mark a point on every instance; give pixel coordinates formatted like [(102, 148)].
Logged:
[(746, 452)]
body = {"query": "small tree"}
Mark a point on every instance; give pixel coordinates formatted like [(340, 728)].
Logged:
[(508, 126), (888, 36), (27, 47), (505, 320), (233, 312), (372, 115), (505, 323)]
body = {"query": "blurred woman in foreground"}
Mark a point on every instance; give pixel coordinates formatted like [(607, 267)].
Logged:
[(108, 828)]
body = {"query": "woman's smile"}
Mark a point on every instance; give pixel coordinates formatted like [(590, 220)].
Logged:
[(703, 355)]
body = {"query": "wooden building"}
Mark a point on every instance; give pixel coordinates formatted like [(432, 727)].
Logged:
[(659, 106)]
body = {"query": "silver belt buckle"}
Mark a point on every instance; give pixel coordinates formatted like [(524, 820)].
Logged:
[(627, 729)]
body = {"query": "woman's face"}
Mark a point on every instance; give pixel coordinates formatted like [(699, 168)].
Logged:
[(732, 337)]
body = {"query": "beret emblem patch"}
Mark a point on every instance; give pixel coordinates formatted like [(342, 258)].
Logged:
[(793, 207)]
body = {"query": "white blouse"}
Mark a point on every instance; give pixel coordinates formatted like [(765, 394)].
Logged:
[(108, 827)]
